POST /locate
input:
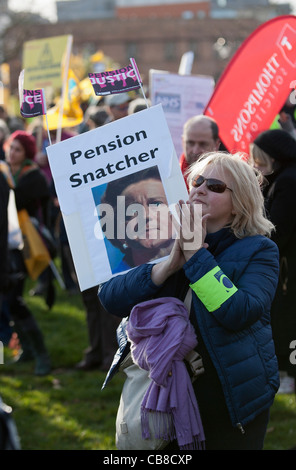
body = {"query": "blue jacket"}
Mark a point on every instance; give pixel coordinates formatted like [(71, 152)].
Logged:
[(237, 334)]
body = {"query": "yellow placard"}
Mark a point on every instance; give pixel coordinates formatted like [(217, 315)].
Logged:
[(42, 61), (5, 85)]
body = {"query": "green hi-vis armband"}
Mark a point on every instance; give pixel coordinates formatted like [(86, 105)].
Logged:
[(213, 289)]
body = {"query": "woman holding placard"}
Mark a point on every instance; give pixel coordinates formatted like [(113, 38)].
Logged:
[(231, 270)]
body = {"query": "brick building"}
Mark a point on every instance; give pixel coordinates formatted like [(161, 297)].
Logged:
[(155, 43)]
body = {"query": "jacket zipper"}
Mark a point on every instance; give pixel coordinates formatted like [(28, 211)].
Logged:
[(240, 428)]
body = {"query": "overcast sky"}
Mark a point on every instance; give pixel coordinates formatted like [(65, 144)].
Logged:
[(45, 8)]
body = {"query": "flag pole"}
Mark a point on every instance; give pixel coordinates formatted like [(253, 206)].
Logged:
[(135, 68), (48, 133), (45, 113), (64, 88)]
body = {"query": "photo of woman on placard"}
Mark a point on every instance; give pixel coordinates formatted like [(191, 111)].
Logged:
[(135, 219)]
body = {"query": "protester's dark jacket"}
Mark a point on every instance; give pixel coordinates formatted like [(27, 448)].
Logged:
[(32, 192), (280, 204), (237, 335), (4, 196)]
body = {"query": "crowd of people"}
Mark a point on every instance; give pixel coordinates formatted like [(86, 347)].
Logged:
[(25, 166), (244, 323)]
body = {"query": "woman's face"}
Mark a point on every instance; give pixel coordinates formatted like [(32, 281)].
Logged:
[(16, 153), (148, 222), (218, 205), (266, 167)]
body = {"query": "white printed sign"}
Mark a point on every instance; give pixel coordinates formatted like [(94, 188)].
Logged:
[(103, 178), (182, 96)]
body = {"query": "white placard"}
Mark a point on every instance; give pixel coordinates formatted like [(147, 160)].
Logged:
[(182, 96), (84, 165)]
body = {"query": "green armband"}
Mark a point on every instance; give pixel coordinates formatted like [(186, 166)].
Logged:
[(213, 289)]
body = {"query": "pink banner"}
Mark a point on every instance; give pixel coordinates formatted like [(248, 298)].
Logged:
[(33, 103), (116, 81)]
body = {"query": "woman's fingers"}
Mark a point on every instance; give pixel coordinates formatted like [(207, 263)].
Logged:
[(190, 225), (187, 223)]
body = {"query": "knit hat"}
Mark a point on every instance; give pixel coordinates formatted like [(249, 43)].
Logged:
[(278, 144), (27, 140)]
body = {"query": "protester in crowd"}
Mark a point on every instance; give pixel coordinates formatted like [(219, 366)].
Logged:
[(117, 105), (31, 188), (41, 209), (14, 239), (145, 237), (8, 434), (42, 141), (286, 119), (97, 116), (232, 273), (274, 153), (31, 193), (138, 104), (6, 182), (200, 135), (4, 197)]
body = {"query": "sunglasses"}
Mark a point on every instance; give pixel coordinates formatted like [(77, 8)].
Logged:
[(216, 186)]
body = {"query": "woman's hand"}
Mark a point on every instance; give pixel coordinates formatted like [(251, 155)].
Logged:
[(191, 233), (163, 270), (192, 228)]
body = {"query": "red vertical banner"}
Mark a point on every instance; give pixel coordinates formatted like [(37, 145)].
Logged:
[(255, 84)]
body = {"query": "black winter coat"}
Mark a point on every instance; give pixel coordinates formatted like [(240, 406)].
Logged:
[(4, 196), (280, 196), (32, 193)]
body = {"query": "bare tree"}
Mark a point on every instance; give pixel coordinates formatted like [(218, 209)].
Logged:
[(14, 31)]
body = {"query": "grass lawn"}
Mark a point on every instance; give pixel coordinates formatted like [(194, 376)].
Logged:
[(67, 410)]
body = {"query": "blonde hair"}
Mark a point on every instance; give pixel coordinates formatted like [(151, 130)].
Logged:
[(247, 198)]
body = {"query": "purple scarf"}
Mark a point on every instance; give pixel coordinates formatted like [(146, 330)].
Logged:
[(161, 335)]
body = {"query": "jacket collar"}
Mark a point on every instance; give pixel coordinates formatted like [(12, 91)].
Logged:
[(220, 240)]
